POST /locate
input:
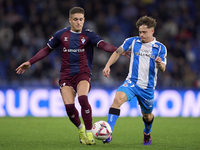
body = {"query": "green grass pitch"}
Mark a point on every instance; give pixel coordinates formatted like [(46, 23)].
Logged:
[(30, 133)]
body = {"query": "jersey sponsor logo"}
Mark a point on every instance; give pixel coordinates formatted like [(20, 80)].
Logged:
[(143, 52), (64, 49), (83, 40), (65, 39), (73, 50)]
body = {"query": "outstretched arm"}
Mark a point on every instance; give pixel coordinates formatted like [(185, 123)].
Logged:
[(40, 55), (107, 47), (110, 48), (113, 58)]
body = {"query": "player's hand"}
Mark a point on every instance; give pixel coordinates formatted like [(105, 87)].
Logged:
[(161, 66), (21, 69), (158, 60), (127, 54), (106, 72)]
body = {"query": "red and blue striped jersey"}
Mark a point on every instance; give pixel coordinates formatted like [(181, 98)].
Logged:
[(76, 50)]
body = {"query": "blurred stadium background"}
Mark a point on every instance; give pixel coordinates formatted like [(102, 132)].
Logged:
[(26, 26)]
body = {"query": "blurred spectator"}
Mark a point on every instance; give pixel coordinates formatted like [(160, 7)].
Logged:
[(25, 27), (117, 35), (6, 37)]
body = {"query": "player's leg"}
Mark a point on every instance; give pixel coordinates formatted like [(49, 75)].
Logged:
[(114, 111), (68, 96), (148, 122), (83, 88), (146, 101)]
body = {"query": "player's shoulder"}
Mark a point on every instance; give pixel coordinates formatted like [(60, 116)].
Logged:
[(159, 44), (131, 39), (90, 34), (88, 31), (63, 30)]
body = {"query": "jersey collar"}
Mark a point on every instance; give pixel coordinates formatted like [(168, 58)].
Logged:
[(152, 42), (75, 32)]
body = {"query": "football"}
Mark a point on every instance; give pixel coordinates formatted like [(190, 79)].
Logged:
[(101, 130)]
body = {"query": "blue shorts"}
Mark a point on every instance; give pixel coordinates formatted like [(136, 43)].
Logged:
[(144, 97)]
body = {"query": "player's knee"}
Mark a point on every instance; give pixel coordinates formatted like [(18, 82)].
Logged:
[(117, 102), (148, 117)]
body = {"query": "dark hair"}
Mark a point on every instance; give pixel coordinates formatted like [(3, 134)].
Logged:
[(145, 20), (75, 10)]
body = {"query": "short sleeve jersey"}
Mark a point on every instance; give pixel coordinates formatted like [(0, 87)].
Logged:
[(142, 68), (76, 50)]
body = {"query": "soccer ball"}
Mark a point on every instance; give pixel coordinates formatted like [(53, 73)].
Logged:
[(101, 130)]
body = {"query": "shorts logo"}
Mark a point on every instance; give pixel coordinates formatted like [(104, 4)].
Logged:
[(149, 102)]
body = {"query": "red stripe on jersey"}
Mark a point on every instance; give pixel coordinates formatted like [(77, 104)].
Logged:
[(65, 69), (83, 60)]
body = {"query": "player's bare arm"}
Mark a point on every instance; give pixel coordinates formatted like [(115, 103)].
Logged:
[(21, 69), (120, 50), (161, 66), (124, 53), (113, 58)]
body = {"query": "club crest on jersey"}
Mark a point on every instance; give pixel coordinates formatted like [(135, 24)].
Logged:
[(65, 39), (155, 45), (125, 84), (83, 40)]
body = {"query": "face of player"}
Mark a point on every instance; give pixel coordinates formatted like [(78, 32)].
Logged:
[(146, 34), (77, 21)]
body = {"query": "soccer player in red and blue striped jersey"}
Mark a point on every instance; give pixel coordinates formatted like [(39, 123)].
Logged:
[(76, 46)]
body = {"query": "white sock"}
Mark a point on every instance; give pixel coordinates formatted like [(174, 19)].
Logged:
[(80, 126)]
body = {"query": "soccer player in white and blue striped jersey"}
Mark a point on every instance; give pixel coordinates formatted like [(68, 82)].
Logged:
[(147, 57)]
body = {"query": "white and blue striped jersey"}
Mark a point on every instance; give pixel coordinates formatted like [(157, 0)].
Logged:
[(142, 68)]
